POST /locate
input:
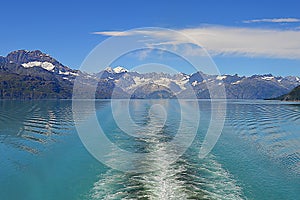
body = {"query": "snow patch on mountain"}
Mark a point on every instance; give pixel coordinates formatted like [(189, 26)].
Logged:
[(235, 83), (120, 69), (221, 77), (116, 70), (194, 83), (130, 82), (268, 78), (46, 65), (68, 73)]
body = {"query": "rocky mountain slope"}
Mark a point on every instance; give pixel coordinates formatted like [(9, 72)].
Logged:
[(294, 95), (36, 75)]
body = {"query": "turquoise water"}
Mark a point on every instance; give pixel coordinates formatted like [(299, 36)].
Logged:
[(256, 157)]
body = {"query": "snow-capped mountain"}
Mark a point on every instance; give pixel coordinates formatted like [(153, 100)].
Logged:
[(37, 59), (33, 74), (116, 70), (120, 69), (182, 85)]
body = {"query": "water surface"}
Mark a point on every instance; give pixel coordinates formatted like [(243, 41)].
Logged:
[(256, 157)]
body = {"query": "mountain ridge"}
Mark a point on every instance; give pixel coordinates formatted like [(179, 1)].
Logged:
[(293, 95), (36, 75)]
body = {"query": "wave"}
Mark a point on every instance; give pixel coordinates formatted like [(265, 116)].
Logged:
[(29, 126), (272, 128)]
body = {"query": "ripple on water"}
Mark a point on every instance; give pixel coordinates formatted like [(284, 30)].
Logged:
[(273, 128), (28, 126)]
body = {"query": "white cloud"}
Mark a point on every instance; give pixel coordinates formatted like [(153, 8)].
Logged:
[(220, 40), (111, 33), (274, 20)]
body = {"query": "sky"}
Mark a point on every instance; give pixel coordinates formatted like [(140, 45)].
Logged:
[(243, 37)]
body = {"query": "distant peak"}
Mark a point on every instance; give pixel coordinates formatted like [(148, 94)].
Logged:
[(22, 51), (109, 69), (35, 54), (116, 70), (120, 69)]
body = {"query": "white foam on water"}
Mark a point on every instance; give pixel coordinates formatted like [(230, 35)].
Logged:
[(187, 178)]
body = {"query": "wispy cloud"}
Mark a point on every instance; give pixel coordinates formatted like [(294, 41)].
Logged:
[(220, 40), (274, 20), (112, 33)]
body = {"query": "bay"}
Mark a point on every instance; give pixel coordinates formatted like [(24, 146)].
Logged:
[(256, 157)]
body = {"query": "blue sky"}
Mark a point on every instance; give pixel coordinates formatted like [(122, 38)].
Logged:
[(64, 29)]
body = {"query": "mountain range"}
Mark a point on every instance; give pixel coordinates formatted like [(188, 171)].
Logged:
[(36, 75)]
